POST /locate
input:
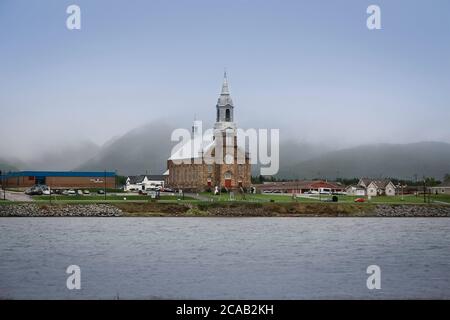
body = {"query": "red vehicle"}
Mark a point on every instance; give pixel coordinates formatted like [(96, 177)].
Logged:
[(360, 200)]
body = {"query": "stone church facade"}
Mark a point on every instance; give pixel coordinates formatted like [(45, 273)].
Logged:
[(198, 174)]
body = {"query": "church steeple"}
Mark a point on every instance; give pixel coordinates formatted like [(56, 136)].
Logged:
[(225, 89), (224, 103)]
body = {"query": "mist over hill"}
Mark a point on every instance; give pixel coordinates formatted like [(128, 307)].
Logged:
[(65, 157), (6, 165), (141, 150), (146, 149), (407, 161)]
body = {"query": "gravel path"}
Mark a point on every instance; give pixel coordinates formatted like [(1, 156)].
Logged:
[(16, 196)]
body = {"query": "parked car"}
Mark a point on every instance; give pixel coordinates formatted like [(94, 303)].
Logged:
[(168, 190), (33, 191), (38, 189), (71, 192), (65, 192), (360, 200), (45, 190), (86, 192), (324, 190), (101, 191), (79, 192)]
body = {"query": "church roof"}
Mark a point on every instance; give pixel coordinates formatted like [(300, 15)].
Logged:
[(225, 97), (192, 150)]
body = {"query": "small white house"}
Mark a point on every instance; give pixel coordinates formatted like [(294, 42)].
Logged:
[(144, 182), (381, 187), (355, 191), (443, 188)]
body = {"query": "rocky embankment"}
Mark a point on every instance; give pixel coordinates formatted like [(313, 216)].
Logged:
[(412, 211), (73, 210), (223, 210)]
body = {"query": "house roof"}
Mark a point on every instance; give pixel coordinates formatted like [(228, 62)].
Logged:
[(136, 179), (366, 181), (140, 178), (381, 184), (355, 186), (444, 184)]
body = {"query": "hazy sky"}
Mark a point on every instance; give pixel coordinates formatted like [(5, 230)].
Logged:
[(311, 68)]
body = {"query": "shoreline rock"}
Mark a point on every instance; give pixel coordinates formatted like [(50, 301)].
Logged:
[(222, 210), (412, 211), (71, 210)]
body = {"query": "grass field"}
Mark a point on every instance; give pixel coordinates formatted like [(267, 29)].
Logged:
[(441, 198), (254, 198), (101, 198), (406, 199)]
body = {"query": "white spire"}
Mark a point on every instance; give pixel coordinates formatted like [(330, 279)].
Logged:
[(225, 98), (225, 89)]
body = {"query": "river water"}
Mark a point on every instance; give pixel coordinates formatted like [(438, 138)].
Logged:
[(244, 258)]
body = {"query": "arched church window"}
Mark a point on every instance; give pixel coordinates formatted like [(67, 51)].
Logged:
[(227, 175), (217, 115), (227, 115)]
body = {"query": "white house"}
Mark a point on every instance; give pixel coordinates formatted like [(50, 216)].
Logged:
[(443, 188), (353, 190), (380, 187), (144, 182)]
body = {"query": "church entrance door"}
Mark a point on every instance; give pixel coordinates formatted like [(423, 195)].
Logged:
[(227, 183)]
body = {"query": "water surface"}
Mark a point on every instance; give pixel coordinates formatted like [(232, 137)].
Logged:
[(245, 258)]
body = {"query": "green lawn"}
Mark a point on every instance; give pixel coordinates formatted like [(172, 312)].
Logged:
[(407, 199), (257, 198), (97, 198), (441, 198)]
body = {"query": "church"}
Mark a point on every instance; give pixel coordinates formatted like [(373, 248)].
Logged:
[(218, 162)]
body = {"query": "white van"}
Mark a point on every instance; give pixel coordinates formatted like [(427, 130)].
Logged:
[(324, 190)]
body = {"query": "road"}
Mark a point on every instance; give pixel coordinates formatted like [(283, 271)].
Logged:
[(16, 196)]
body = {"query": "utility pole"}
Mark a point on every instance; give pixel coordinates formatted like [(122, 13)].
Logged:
[(400, 185), (3, 184), (424, 191), (429, 195), (402, 193), (105, 184)]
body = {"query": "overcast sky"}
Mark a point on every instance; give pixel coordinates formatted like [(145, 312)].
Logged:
[(310, 68)]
